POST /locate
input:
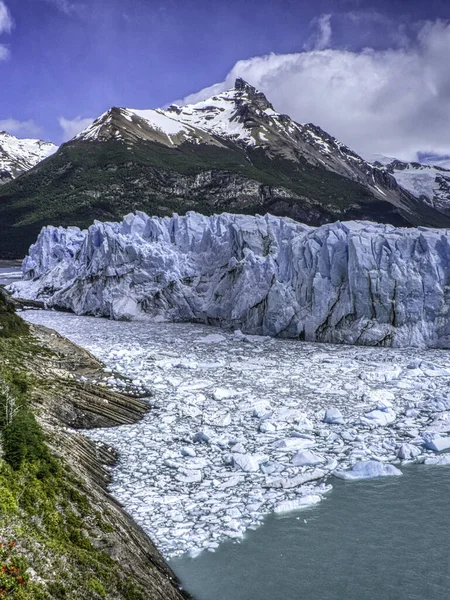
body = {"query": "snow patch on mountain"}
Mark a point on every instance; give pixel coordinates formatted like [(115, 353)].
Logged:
[(20, 155), (353, 282), (427, 181)]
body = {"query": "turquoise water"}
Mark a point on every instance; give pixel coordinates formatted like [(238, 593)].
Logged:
[(385, 539)]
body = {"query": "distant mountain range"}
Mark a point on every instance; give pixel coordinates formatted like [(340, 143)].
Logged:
[(232, 152), (18, 156), (429, 182)]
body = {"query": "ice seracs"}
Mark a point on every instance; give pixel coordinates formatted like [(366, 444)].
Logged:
[(351, 282)]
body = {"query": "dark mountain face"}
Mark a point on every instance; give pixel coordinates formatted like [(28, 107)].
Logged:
[(230, 153)]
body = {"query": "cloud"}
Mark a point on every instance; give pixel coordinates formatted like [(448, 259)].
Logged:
[(6, 20), (6, 26), (65, 6), (72, 127), (322, 37), (394, 101), (21, 128), (4, 52)]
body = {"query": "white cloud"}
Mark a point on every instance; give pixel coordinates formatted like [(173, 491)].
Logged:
[(65, 6), (20, 128), (6, 26), (395, 101), (4, 52), (71, 127), (6, 20), (322, 38)]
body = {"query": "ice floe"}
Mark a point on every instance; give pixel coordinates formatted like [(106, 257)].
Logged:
[(225, 445), (368, 470)]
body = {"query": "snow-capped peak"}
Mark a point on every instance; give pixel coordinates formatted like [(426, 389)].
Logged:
[(242, 117), (20, 155)]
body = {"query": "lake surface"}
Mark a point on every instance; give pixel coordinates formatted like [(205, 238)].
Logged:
[(385, 539), (10, 271)]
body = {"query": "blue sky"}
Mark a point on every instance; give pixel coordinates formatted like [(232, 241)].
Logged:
[(64, 61)]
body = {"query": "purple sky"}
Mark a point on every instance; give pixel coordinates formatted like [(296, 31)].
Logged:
[(69, 59)]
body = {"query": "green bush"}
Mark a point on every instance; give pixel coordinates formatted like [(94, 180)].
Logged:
[(23, 439), (11, 325)]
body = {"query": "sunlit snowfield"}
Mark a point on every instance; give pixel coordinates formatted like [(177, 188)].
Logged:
[(237, 428)]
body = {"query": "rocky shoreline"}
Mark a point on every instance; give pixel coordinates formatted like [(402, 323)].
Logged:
[(63, 397)]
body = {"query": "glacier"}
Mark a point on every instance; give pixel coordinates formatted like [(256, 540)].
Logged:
[(347, 282)]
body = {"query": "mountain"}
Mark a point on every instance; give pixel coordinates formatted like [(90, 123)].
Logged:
[(348, 282), (232, 153), (20, 155), (429, 182)]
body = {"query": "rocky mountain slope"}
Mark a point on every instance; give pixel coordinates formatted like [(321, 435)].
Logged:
[(20, 155), (430, 183), (233, 152), (350, 282)]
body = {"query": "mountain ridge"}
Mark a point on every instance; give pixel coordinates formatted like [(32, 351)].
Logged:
[(230, 153)]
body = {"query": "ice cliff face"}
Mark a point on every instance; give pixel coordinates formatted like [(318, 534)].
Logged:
[(353, 282)]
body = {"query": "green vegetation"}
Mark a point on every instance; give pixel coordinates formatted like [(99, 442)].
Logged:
[(10, 324)]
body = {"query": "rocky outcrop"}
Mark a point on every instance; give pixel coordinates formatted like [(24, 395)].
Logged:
[(353, 282)]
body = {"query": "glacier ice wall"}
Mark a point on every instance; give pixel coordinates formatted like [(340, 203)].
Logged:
[(352, 282)]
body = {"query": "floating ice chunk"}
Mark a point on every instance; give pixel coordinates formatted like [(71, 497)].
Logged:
[(294, 443), (382, 398), (204, 436), (191, 477), (368, 470), (267, 427), (379, 418), (307, 458), (270, 467), (246, 462), (213, 338), (188, 451), (292, 482), (239, 448), (231, 482), (262, 410), (436, 442), (224, 394), (221, 420), (441, 460), (408, 451), (333, 416), (412, 413), (297, 504), (288, 415), (441, 424)]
